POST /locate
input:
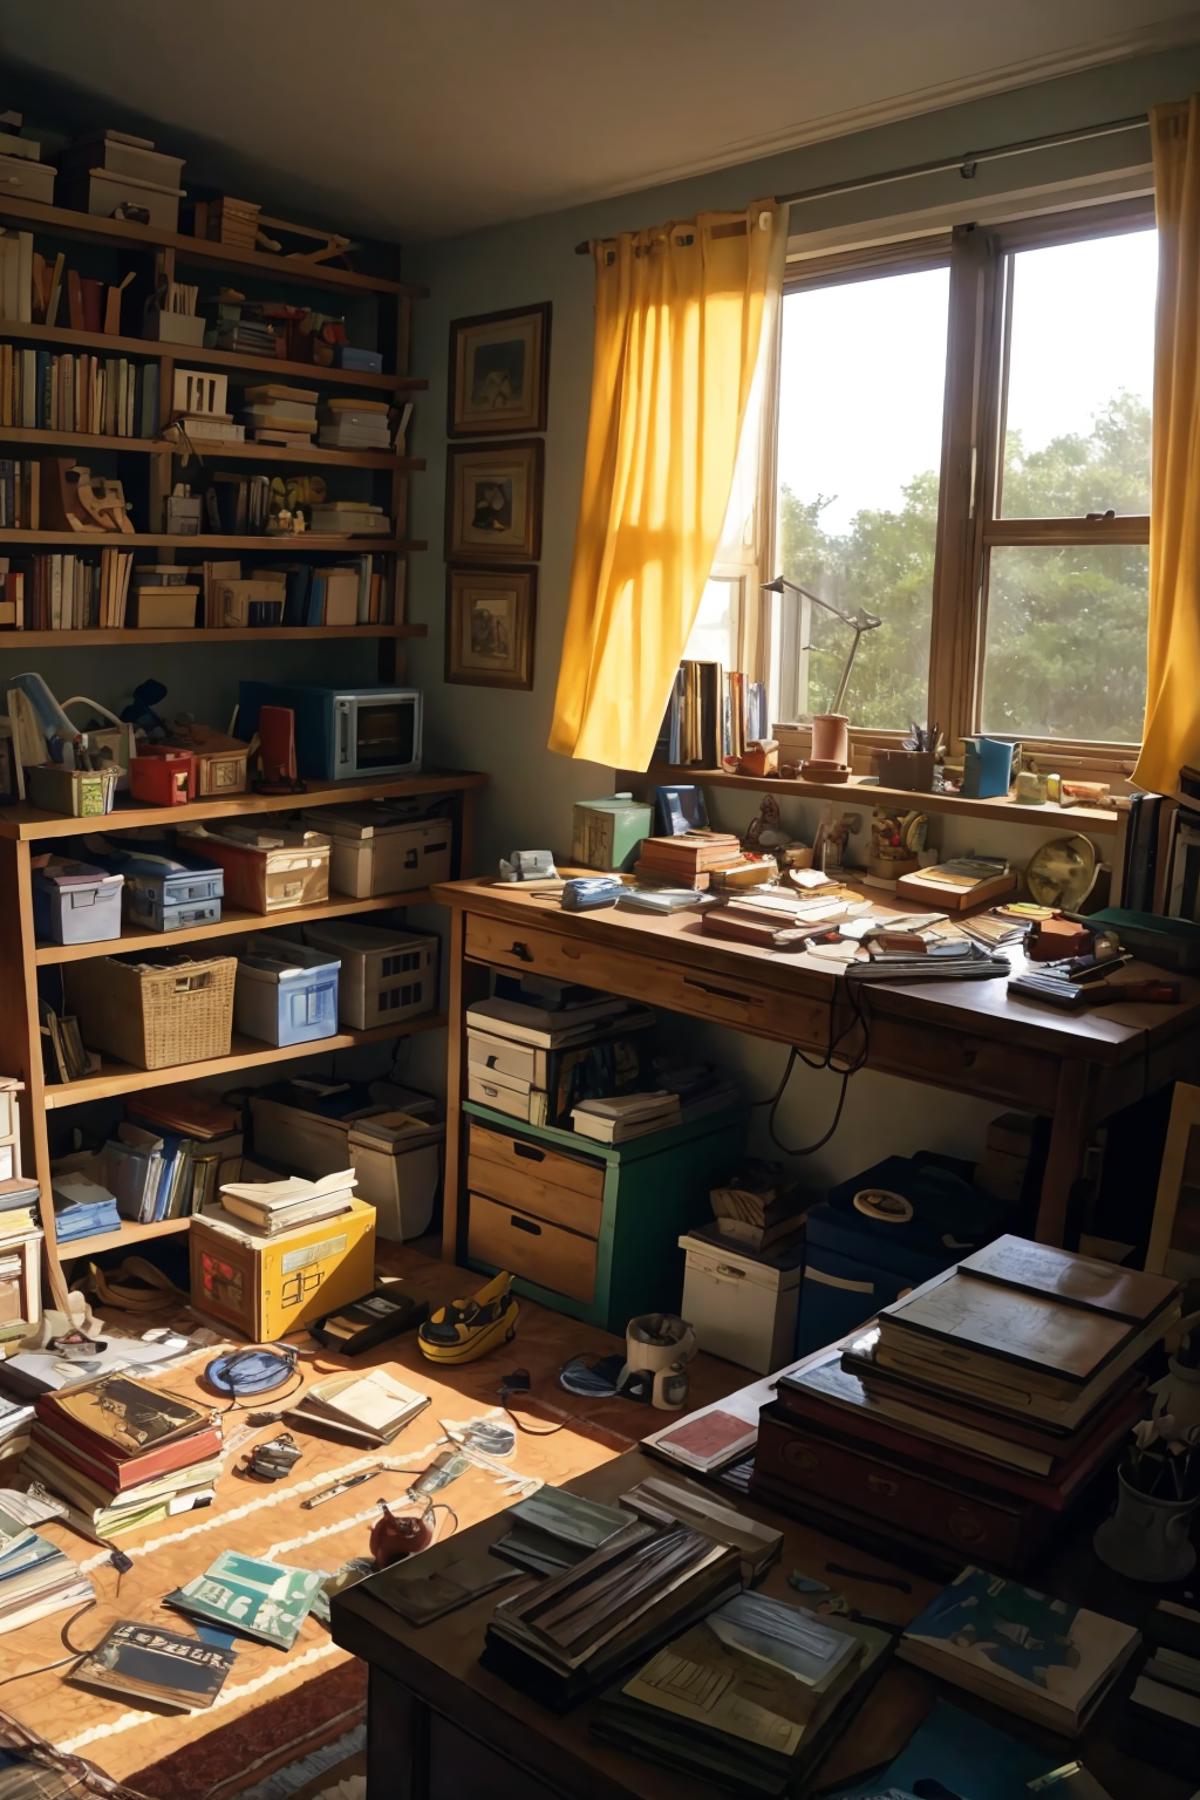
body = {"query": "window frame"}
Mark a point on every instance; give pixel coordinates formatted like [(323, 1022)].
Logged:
[(968, 525)]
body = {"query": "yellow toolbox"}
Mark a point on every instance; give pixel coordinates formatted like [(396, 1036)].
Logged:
[(265, 1287)]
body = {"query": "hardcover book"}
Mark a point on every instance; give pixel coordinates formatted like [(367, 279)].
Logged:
[(1084, 1281), (145, 1662), (124, 1417), (255, 1599)]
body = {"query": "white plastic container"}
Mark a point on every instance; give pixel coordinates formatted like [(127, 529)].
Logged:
[(398, 1161), (387, 976), (741, 1308)]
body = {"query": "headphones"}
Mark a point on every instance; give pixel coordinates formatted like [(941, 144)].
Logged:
[(254, 1369)]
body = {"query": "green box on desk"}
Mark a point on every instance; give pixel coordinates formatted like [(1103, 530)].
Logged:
[(592, 1229), (607, 834)]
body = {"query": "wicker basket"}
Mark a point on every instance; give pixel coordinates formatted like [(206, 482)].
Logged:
[(153, 1012)]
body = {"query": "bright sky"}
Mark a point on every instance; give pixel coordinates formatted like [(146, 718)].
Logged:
[(860, 403)]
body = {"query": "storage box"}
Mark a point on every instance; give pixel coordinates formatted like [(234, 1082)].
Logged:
[(240, 603), (75, 903), (166, 608), (267, 867), (10, 1128), (163, 892), (507, 1094), (161, 776), (541, 1087), (607, 834), (398, 1160), (112, 152), (153, 1011), (386, 975), (285, 993), (303, 1125), (266, 1287), (76, 793), (100, 192), (743, 1307), (24, 179), (20, 1281), (381, 850)]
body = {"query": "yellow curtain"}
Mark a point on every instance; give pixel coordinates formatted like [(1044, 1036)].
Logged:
[(679, 324), (1172, 730)]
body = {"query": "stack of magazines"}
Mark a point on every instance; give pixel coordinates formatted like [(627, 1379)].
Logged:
[(571, 1633), (36, 1579)]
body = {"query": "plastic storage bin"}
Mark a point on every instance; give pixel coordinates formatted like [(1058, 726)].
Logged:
[(286, 993), (75, 903), (386, 975), (163, 892), (153, 1011), (398, 1161), (383, 850), (743, 1307)]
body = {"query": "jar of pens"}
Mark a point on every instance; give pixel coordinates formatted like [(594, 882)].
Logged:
[(1149, 1535)]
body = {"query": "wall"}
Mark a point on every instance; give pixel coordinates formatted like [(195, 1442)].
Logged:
[(505, 733)]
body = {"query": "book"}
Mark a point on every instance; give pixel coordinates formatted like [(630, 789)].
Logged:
[(964, 881), (683, 1503), (146, 1662), (1128, 1295), (37, 1579), (372, 1408), (525, 1024), (554, 1529), (121, 1420), (1043, 1658), (251, 1597), (706, 1441), (420, 1597)]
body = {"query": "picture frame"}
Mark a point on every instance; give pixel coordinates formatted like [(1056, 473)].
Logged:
[(499, 372), (491, 618), (494, 502)]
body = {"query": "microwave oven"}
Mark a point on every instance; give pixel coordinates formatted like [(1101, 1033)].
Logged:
[(342, 733)]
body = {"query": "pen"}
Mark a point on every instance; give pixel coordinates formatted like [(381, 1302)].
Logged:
[(339, 1487)]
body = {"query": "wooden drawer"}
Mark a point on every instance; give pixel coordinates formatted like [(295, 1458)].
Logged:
[(957, 1059), (557, 1259), (836, 1475), (525, 1157), (726, 999), (523, 1187)]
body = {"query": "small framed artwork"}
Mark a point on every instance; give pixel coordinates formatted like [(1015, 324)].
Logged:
[(499, 372), (490, 617), (494, 502)]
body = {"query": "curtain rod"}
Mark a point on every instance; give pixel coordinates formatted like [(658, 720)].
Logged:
[(966, 165)]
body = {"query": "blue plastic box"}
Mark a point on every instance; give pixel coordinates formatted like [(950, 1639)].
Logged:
[(163, 891), (859, 1258), (285, 992)]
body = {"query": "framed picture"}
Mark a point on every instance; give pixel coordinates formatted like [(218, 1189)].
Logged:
[(494, 502), (499, 372), (490, 615)]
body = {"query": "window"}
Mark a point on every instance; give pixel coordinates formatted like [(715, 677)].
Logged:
[(962, 446)]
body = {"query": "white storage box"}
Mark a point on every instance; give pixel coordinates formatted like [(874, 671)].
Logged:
[(100, 192), (511, 1094), (303, 1125), (386, 975), (398, 1161), (285, 992), (380, 850), (742, 1308)]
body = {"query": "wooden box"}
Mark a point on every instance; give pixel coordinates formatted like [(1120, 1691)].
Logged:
[(265, 1287), (591, 1229), (20, 1282)]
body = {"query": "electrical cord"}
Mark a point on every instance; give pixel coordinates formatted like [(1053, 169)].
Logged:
[(851, 1066), (120, 1563)]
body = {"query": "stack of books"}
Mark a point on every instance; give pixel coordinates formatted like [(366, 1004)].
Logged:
[(1036, 1656), (267, 1208), (962, 882), (687, 860), (997, 1390), (229, 221), (369, 1409), (538, 1056), (350, 518), (355, 425), (36, 1579), (18, 1208), (82, 1207), (758, 1208), (123, 1454), (248, 336), (626, 1116), (750, 1698), (251, 1598), (1163, 1723), (665, 1503), (554, 1530), (572, 1632), (277, 414)]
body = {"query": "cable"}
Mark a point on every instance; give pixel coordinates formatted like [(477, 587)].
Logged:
[(120, 1562), (852, 1065)]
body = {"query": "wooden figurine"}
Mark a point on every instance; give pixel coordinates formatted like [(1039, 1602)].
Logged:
[(76, 500)]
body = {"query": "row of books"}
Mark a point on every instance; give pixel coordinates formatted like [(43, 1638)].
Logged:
[(712, 713), (20, 494), (355, 592), (171, 1154), (62, 391), (64, 592)]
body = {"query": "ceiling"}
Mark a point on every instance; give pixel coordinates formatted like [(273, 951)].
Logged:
[(421, 118)]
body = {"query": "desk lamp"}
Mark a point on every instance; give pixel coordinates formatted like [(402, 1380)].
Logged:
[(858, 622)]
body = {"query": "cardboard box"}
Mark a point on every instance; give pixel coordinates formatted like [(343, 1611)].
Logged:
[(267, 867), (381, 850), (166, 608), (265, 1287)]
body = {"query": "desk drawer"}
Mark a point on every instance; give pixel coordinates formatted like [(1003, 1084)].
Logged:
[(557, 1259), (523, 1187), (522, 1158), (726, 999), (958, 1059)]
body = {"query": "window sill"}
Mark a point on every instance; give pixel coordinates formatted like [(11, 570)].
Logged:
[(859, 790)]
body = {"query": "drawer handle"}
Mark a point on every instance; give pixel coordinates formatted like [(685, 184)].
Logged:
[(970, 1058), (529, 1152), (723, 993), (799, 1456), (966, 1528), (525, 1225), (522, 952), (728, 1269), (879, 1484)]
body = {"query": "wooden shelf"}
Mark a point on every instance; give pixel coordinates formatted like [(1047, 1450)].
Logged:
[(249, 634), (61, 221), (30, 823), (246, 1053), (237, 360), (153, 540), (81, 440), (127, 1236), (292, 453), (859, 792), (233, 921)]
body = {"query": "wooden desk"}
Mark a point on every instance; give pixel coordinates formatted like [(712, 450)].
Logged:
[(439, 1726), (1072, 1068)]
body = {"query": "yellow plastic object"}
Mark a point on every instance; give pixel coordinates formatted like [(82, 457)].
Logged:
[(463, 1330)]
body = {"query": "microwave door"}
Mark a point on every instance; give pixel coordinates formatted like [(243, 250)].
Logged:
[(383, 734)]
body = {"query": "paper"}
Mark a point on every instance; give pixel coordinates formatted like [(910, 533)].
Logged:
[(272, 1194)]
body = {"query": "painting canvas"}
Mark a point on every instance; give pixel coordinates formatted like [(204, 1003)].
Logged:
[(494, 502), (499, 369), (489, 626)]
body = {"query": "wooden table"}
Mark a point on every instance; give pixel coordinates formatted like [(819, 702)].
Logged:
[(439, 1726), (1075, 1069)]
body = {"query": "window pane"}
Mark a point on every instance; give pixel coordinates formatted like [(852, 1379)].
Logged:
[(1077, 433), (715, 634), (1066, 641), (860, 431)]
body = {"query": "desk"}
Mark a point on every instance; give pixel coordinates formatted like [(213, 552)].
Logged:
[(1075, 1069), (439, 1726)]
